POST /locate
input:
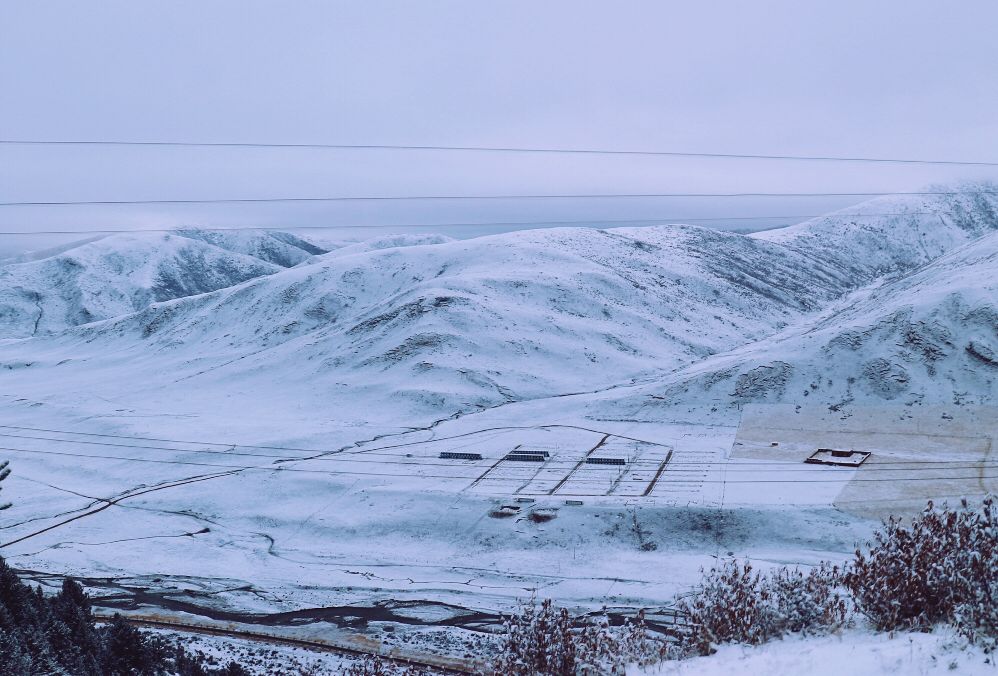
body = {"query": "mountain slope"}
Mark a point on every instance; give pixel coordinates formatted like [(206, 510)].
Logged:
[(472, 323), (893, 235), (120, 274), (388, 242), (454, 326), (928, 337), (279, 248)]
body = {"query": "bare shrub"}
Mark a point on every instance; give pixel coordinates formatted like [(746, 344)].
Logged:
[(375, 666), (736, 605), (943, 568), (542, 516), (811, 602), (546, 641)]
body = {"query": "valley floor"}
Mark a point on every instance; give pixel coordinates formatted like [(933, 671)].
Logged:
[(345, 533)]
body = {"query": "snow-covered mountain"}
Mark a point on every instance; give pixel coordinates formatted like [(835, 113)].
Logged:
[(892, 235), (279, 248), (473, 323), (115, 275), (388, 242), (928, 337), (436, 326)]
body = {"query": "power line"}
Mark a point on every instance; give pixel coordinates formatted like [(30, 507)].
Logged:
[(172, 441), (315, 450), (426, 461), (490, 224), (501, 149), (373, 451), (472, 477), (405, 198)]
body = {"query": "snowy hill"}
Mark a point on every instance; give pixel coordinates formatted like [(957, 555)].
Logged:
[(388, 242), (279, 248), (431, 327), (116, 275), (892, 235), (465, 324), (928, 337)]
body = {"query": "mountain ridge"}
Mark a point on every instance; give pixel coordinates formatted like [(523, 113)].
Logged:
[(114, 275), (433, 326)]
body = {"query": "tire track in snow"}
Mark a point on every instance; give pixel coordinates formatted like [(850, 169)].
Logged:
[(113, 501)]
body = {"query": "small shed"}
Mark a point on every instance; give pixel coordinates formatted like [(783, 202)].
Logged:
[(837, 457), (525, 456), (454, 455)]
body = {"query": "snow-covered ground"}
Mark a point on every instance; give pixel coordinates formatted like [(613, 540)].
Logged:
[(259, 659), (852, 652), (273, 447)]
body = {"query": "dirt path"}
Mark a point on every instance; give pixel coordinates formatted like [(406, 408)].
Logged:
[(358, 646)]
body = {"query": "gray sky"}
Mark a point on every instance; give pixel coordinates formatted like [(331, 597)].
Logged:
[(889, 78)]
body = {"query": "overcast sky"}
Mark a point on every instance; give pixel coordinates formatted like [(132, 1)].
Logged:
[(894, 79)]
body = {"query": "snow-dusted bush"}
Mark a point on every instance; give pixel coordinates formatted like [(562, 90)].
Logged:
[(736, 605), (375, 666), (546, 641), (943, 568)]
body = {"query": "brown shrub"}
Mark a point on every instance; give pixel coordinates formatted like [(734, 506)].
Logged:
[(375, 666), (547, 641), (943, 568), (736, 605)]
